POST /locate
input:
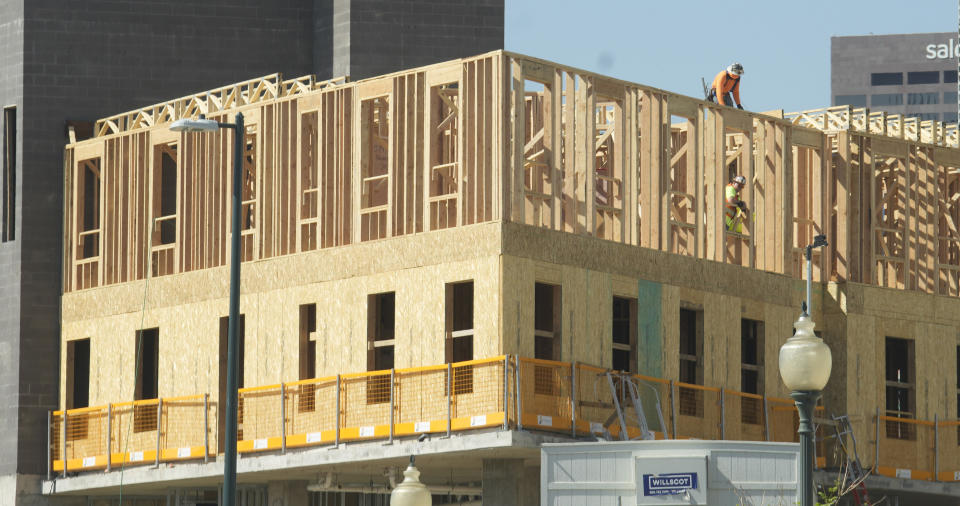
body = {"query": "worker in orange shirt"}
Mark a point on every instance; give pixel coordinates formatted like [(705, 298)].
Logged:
[(727, 82)]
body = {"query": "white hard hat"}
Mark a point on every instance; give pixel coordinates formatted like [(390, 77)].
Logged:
[(739, 179), (736, 69)]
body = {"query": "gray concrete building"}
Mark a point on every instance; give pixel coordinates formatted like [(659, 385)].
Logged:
[(73, 62), (910, 74)]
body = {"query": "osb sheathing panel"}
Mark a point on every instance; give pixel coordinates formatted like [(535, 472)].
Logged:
[(187, 309)]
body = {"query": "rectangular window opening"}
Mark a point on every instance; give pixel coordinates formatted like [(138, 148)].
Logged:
[(851, 100), (691, 359), (900, 377), (145, 415), (308, 357), (224, 350), (927, 77), (624, 336), (886, 78), (546, 335), (381, 342), (923, 98), (886, 99), (9, 197), (88, 209), (751, 370), (459, 330), (78, 374)]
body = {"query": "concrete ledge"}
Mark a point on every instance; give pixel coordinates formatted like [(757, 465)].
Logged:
[(306, 463)]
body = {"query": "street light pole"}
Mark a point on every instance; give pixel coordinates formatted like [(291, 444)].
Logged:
[(230, 438), (230, 459), (805, 363)]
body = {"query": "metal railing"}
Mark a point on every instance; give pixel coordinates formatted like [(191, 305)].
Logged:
[(503, 392)]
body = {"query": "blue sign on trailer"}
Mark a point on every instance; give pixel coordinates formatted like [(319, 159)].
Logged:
[(667, 484)]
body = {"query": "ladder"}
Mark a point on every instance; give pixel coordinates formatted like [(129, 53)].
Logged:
[(856, 472), (631, 387)]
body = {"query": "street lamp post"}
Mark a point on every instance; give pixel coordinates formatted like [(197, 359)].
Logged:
[(805, 363), (230, 438)]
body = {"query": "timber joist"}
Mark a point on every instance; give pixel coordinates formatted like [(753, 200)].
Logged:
[(505, 137)]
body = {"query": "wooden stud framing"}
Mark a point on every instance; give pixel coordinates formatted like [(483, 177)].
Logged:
[(504, 137)]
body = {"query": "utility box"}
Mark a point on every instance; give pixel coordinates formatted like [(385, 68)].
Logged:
[(671, 472)]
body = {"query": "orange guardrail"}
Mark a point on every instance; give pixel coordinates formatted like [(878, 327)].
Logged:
[(501, 392)]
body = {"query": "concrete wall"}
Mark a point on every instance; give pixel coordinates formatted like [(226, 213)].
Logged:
[(11, 93), (853, 59), (387, 35)]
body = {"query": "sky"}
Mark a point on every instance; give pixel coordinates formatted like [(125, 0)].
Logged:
[(783, 46)]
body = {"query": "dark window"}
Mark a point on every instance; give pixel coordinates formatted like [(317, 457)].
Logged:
[(949, 97), (88, 209), (886, 99), (222, 398), (145, 415), (851, 100), (949, 76), (9, 197), (306, 395), (950, 117), (886, 78), (899, 387), (547, 304), (78, 374), (165, 194), (381, 310), (625, 334), (923, 98), (925, 116), (459, 326), (751, 369), (691, 372), (929, 77)]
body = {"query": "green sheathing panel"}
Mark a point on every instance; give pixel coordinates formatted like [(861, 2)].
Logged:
[(649, 328)]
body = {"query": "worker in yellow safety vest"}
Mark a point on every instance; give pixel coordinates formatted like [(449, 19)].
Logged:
[(735, 209)]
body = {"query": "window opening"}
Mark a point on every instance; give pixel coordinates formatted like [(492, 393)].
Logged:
[(459, 327), (751, 370), (145, 415), (308, 357), (899, 387), (9, 174), (691, 371), (224, 342), (381, 343)]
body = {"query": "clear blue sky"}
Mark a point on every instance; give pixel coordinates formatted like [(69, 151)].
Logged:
[(783, 46)]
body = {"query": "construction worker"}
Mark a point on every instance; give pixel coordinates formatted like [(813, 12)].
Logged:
[(736, 209), (727, 82)]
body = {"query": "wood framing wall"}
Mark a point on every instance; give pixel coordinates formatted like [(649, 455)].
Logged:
[(504, 137)]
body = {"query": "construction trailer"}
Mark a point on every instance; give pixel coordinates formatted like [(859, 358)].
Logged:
[(468, 250)]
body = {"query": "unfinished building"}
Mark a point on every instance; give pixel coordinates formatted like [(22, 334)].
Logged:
[(496, 251)]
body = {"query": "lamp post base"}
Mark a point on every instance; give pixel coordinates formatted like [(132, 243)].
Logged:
[(806, 401)]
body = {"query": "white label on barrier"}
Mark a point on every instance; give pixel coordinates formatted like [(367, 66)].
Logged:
[(314, 437), (545, 420), (421, 427), (903, 473), (596, 428), (956, 476), (89, 461), (136, 456), (183, 453), (260, 444), (476, 421), (366, 431)]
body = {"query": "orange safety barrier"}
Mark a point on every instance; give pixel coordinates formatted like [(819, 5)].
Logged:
[(259, 424), (698, 413), (908, 443), (948, 450), (545, 393), (311, 412), (504, 391)]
